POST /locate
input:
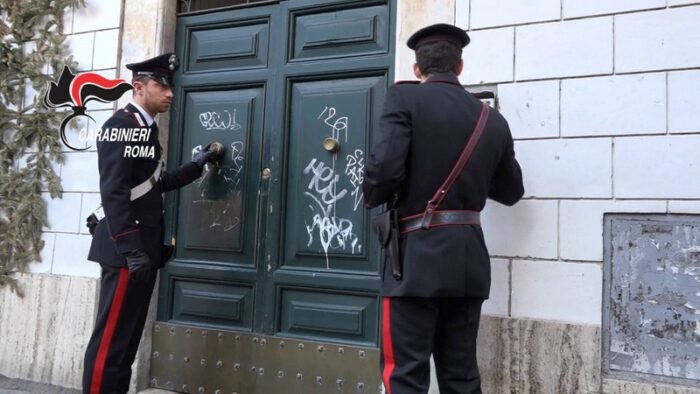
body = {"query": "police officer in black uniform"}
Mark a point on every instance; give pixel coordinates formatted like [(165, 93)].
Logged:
[(434, 307), (128, 241)]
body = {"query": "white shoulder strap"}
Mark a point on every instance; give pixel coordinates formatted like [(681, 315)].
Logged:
[(146, 186), (137, 191)]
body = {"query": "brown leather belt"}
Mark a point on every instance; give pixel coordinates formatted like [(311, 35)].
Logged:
[(440, 218)]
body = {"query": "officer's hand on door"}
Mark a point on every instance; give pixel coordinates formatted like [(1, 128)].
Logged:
[(207, 155), (139, 265)]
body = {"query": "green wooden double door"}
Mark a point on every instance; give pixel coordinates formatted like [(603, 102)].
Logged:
[(274, 243)]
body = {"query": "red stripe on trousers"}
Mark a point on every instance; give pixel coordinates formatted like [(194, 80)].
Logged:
[(387, 345), (112, 319)]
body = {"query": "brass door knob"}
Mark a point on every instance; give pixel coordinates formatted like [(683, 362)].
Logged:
[(217, 148), (331, 145), (266, 173)]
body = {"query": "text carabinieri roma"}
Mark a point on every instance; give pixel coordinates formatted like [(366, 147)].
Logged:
[(127, 135)]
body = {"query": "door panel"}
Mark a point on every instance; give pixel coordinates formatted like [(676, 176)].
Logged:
[(218, 208), (326, 225), (211, 295), (228, 47), (221, 305), (340, 33), (329, 315)]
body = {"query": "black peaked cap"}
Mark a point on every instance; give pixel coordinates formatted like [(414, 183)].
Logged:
[(160, 68), (438, 32)]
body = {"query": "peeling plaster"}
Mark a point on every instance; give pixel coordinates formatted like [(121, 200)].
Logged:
[(654, 322)]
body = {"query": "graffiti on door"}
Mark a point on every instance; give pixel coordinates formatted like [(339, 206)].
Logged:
[(333, 182)]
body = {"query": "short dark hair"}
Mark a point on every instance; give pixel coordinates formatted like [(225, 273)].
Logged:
[(140, 78), (438, 57)]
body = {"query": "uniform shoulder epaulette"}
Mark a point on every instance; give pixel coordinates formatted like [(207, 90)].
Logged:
[(406, 82), (122, 112), (132, 118)]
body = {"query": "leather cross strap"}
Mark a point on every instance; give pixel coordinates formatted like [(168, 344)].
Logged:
[(442, 191), (440, 218)]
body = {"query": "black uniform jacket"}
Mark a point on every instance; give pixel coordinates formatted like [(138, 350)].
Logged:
[(138, 224), (423, 130)]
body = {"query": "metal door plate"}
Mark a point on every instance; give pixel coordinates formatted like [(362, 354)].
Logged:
[(197, 360)]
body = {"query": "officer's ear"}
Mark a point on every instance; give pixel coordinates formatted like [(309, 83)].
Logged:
[(416, 71), (460, 67), (139, 86)]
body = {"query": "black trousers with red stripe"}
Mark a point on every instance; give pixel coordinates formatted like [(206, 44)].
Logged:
[(121, 316), (414, 328)]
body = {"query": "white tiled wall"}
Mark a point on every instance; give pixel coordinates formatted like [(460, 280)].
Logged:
[(492, 50), (682, 2), (563, 167), (93, 39), (528, 229), (79, 172), (684, 101), (68, 256), (684, 206), (462, 13), (81, 47), (498, 302), (602, 100), (564, 49), (613, 105), (532, 108), (557, 290), (657, 167), (657, 40), (577, 8), (106, 43), (61, 212), (97, 15), (488, 13)]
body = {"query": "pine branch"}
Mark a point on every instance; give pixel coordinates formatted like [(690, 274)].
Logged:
[(28, 130)]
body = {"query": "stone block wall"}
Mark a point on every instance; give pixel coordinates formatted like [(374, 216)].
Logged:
[(601, 98)]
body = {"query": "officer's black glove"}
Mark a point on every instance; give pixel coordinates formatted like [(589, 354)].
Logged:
[(205, 156), (139, 265)]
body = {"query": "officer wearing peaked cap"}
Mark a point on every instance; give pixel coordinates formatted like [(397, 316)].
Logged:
[(128, 228), (429, 129)]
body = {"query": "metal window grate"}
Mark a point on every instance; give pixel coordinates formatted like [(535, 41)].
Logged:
[(192, 6)]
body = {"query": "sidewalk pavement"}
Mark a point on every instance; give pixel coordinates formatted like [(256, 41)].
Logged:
[(17, 386)]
